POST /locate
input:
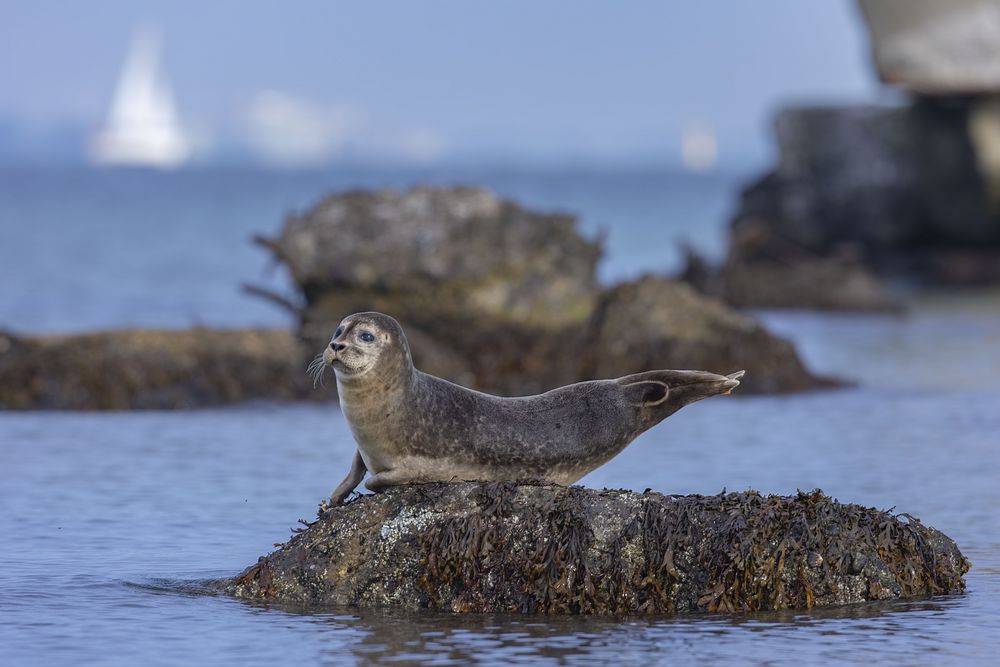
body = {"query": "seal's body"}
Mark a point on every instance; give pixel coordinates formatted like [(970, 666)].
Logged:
[(414, 427)]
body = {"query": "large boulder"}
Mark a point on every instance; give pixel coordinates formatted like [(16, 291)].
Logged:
[(473, 251), (523, 548), (822, 283), (932, 47), (505, 300), (492, 296), (887, 180), (861, 198), (658, 323), (148, 369), (867, 197), (648, 323)]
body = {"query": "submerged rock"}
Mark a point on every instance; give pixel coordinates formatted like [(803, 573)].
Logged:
[(506, 300), (148, 369), (504, 547)]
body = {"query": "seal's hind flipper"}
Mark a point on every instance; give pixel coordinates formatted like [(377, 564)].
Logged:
[(646, 393), (676, 388)]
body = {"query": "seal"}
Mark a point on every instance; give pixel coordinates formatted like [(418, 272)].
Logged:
[(413, 427)]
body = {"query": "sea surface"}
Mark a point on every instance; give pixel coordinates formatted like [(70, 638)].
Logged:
[(109, 521)]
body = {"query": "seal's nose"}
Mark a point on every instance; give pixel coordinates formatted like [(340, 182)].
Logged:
[(337, 347)]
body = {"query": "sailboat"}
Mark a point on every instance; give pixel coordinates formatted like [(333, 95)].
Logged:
[(142, 128), (699, 148)]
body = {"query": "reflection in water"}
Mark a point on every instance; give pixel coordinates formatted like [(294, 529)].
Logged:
[(870, 631)]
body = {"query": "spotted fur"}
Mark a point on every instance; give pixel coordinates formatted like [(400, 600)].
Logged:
[(414, 427)]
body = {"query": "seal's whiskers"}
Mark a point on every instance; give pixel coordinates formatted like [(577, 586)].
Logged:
[(316, 370)]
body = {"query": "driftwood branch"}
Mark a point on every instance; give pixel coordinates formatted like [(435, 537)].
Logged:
[(268, 244), (284, 302)]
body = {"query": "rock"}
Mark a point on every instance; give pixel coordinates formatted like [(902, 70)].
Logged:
[(145, 369), (861, 197), (869, 196), (635, 326), (984, 134), (936, 48), (499, 356), (887, 179), (523, 548), (484, 254), (749, 279), (659, 323), (823, 283), (491, 296), (528, 317)]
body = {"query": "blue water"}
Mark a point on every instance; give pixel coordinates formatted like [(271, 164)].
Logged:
[(109, 520), (85, 249)]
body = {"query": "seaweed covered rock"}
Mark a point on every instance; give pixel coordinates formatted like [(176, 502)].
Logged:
[(503, 547), (506, 300), (136, 369)]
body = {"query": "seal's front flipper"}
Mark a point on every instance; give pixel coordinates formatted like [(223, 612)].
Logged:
[(350, 482)]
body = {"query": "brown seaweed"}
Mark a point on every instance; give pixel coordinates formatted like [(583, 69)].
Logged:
[(534, 548)]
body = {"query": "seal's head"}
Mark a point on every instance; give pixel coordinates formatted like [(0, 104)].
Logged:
[(368, 344)]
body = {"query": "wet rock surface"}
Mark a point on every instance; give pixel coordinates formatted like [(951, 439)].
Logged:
[(505, 300), (148, 369), (526, 548)]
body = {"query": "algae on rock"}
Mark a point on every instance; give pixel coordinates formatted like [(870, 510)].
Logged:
[(532, 548), (148, 369)]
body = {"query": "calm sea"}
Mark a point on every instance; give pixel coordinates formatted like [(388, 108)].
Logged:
[(109, 520)]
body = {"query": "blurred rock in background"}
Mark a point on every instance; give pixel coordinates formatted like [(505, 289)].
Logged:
[(491, 295), (507, 300), (142, 369), (865, 198), (931, 47)]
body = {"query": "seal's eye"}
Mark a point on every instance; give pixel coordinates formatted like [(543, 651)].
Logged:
[(367, 337), (340, 330)]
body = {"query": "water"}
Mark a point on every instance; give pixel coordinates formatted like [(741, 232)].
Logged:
[(83, 249), (109, 520)]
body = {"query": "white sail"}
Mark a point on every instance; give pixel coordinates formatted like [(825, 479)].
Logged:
[(142, 127), (699, 148)]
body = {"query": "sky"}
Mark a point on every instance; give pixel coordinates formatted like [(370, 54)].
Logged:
[(519, 80)]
